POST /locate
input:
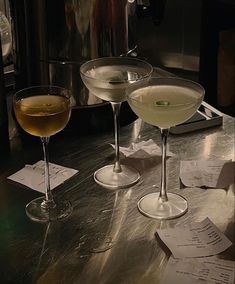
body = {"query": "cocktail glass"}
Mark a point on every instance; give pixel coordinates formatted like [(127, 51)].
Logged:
[(164, 102), (107, 78), (43, 111)]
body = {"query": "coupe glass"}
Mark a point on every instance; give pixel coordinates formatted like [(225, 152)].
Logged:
[(107, 78), (44, 111), (164, 102)]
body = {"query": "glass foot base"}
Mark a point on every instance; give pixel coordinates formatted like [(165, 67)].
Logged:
[(107, 178), (36, 213), (150, 205)]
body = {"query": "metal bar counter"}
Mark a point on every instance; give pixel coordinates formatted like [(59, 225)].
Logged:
[(63, 252)]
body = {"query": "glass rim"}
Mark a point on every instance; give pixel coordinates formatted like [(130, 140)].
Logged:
[(176, 78), (109, 58), (38, 87), (179, 79)]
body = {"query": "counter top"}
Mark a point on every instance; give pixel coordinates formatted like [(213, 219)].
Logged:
[(62, 252)]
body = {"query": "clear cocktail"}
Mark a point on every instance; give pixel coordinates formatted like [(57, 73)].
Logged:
[(108, 78), (165, 102)]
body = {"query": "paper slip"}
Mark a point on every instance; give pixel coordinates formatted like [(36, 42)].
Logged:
[(217, 174), (195, 240), (141, 149), (32, 176), (199, 270)]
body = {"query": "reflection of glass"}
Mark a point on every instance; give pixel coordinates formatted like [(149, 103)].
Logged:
[(44, 111), (115, 216), (108, 239), (164, 102), (108, 78), (6, 38)]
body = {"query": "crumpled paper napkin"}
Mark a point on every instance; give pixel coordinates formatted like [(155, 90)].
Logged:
[(142, 149)]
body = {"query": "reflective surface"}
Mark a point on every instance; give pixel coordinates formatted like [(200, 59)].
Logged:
[(69, 32), (64, 252)]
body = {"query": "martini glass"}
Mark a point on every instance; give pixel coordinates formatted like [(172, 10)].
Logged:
[(164, 102), (43, 111), (107, 78)]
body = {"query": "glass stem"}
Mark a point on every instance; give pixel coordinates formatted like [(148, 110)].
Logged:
[(163, 191), (48, 202), (116, 111)]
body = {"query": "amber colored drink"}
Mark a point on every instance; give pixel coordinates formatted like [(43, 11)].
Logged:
[(43, 115)]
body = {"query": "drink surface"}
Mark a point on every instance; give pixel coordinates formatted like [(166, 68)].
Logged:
[(43, 115), (165, 106), (109, 82)]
